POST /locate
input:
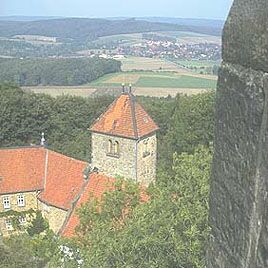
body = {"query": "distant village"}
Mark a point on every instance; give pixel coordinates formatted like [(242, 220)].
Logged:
[(164, 49), (161, 49)]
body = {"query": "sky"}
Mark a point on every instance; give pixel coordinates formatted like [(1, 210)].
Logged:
[(212, 9)]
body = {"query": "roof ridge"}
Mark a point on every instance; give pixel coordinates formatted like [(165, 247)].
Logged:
[(133, 114), (129, 115), (22, 147), (45, 169), (73, 206), (141, 106), (66, 156)]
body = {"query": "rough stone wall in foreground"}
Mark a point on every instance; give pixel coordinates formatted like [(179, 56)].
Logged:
[(239, 185)]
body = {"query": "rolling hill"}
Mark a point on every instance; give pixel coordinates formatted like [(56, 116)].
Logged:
[(89, 29)]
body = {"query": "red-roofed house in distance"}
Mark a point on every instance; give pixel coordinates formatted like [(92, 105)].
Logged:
[(123, 144)]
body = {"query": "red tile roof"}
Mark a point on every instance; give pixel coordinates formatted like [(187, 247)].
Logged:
[(64, 180), (60, 178), (96, 186), (21, 169), (126, 118)]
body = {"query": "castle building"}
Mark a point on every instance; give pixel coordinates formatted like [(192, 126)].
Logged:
[(34, 177)]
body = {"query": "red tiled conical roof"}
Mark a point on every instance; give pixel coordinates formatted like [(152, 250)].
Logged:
[(125, 117)]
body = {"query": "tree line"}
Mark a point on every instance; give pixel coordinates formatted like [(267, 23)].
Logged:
[(69, 29), (58, 72)]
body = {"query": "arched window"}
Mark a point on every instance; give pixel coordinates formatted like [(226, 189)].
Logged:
[(116, 148), (110, 147)]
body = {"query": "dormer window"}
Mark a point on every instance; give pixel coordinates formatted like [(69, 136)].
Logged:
[(113, 149), (20, 200), (6, 202)]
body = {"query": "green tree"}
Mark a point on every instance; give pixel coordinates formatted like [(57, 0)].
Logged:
[(38, 225), (23, 251), (191, 124), (170, 230)]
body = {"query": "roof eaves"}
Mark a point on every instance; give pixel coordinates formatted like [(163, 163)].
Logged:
[(115, 135), (52, 205), (21, 191)]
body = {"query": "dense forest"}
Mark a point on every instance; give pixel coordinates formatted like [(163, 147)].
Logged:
[(89, 29), (63, 72), (23, 49), (170, 230)]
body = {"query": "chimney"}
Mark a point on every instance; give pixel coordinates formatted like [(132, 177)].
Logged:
[(43, 140)]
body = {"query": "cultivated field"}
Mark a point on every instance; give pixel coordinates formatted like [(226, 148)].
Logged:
[(157, 79), (197, 63), (87, 91), (54, 91), (182, 37), (148, 64), (148, 76)]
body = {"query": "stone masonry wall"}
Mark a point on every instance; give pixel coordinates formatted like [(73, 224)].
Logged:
[(239, 183), (30, 203), (147, 153), (124, 165), (55, 216)]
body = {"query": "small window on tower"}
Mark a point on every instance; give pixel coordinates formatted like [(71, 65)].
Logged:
[(113, 149), (116, 148), (110, 147), (146, 151)]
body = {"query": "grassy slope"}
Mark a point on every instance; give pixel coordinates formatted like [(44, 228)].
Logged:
[(155, 79)]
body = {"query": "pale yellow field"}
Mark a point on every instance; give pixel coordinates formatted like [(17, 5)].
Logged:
[(55, 91), (164, 92), (200, 39), (151, 64), (124, 78), (83, 91)]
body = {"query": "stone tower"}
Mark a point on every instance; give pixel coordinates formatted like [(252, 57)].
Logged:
[(124, 141), (239, 183)]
